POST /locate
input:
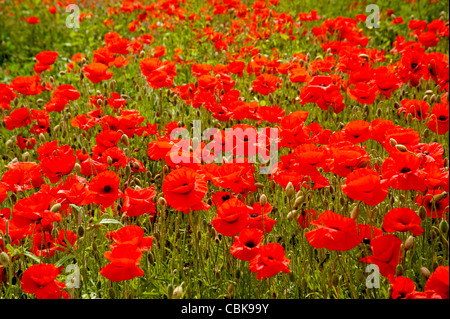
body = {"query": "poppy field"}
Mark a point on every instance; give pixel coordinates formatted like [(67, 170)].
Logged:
[(224, 149)]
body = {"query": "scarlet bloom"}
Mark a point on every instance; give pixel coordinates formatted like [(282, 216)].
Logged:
[(18, 118), (40, 280), (357, 131), (139, 202), (124, 260), (246, 245), (437, 284), (27, 85), (65, 239), (439, 118), (270, 260), (232, 217), (184, 190), (402, 220), (57, 163), (6, 96), (67, 92), (417, 108), (132, 235), (402, 287), (258, 217), (107, 139), (434, 208), (363, 92), (365, 185), (403, 172), (333, 232), (346, 156), (97, 72), (306, 217), (386, 254), (47, 57), (104, 188), (266, 84)]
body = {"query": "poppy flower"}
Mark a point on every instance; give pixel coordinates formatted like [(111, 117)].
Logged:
[(97, 72), (6, 96), (3, 191), (67, 92), (402, 220), (364, 93), (386, 254), (434, 208), (23, 176), (40, 280), (306, 217), (439, 118), (401, 287), (387, 81), (27, 85), (365, 185), (357, 131), (184, 190), (346, 156), (428, 39), (236, 177), (58, 163), (232, 217), (65, 239), (258, 217), (266, 84), (246, 245), (333, 232), (367, 232), (269, 261), (47, 57), (107, 139), (437, 284), (132, 235), (104, 188), (24, 143), (417, 108), (20, 117), (124, 260), (403, 170), (44, 245), (139, 202)]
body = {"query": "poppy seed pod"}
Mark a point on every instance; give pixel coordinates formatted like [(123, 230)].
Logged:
[(409, 243), (290, 190)]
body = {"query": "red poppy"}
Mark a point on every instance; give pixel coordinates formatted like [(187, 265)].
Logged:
[(386, 254), (6, 96), (387, 81), (402, 220), (18, 118), (258, 217), (139, 202), (266, 84), (65, 239), (97, 72), (108, 139), (368, 232), (104, 188), (246, 245), (439, 118), (365, 185), (3, 191), (24, 143), (357, 131), (437, 284), (27, 85), (232, 217), (346, 156), (306, 217), (401, 287), (23, 176), (364, 93), (269, 261), (417, 108), (47, 57), (67, 92), (131, 235), (124, 260), (403, 170), (333, 232), (434, 208), (40, 280), (184, 190), (44, 245)]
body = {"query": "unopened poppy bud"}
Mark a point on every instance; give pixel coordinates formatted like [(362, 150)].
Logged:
[(291, 214), (26, 157), (109, 160), (363, 164), (127, 171), (290, 190), (4, 259), (433, 99), (422, 212), (428, 92), (125, 140), (166, 168), (230, 289), (409, 243), (77, 168), (354, 214), (162, 202), (439, 197), (170, 291), (259, 185), (401, 148), (80, 231), (443, 226), (263, 200), (9, 144), (298, 201), (55, 208), (392, 142), (177, 292), (425, 272)]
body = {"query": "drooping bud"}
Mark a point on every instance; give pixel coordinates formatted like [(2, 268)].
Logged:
[(55, 208), (425, 272), (443, 226), (4, 259), (409, 243), (263, 200), (290, 190), (401, 148), (354, 214), (392, 142)]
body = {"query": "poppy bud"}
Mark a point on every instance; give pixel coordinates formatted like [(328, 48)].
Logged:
[(230, 289), (4, 259), (425, 272), (401, 148), (443, 226), (290, 190), (428, 92), (125, 140), (55, 208), (109, 160), (177, 292), (298, 201), (422, 213), (439, 197), (80, 231), (127, 171), (354, 214), (259, 185), (433, 99), (170, 291), (409, 243), (392, 142), (397, 105), (364, 56), (26, 157), (238, 274), (291, 214), (263, 200), (9, 144), (162, 202)]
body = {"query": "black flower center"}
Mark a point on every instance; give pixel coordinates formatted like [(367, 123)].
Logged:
[(405, 170), (107, 188)]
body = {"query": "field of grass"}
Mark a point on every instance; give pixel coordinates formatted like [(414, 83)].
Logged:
[(94, 204)]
